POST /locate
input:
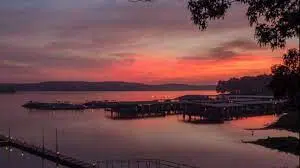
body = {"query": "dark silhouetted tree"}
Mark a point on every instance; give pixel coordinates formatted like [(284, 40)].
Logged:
[(275, 21), (278, 83), (286, 77), (292, 60)]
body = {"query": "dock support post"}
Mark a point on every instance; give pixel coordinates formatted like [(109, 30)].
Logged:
[(43, 139), (157, 163), (43, 163), (56, 146), (9, 134)]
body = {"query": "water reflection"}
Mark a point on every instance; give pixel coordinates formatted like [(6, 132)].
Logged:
[(254, 122), (79, 97), (91, 136)]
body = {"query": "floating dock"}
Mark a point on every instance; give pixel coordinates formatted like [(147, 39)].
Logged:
[(213, 111), (193, 107)]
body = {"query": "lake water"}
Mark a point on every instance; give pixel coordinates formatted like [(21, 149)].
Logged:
[(90, 136)]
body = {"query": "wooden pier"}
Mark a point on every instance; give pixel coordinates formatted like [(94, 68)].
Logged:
[(67, 161), (141, 163), (45, 153)]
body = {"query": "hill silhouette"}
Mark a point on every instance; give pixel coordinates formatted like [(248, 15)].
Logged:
[(103, 86)]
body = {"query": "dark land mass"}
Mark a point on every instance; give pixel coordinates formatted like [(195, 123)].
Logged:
[(284, 144), (246, 85), (289, 122), (102, 86)]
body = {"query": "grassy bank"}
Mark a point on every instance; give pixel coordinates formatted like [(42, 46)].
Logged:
[(284, 144)]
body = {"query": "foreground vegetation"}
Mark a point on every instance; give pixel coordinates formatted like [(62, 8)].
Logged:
[(284, 144)]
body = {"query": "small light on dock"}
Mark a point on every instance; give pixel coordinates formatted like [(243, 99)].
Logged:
[(22, 154), (10, 149)]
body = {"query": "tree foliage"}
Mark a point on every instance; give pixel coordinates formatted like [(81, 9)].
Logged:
[(292, 60), (275, 21), (286, 77)]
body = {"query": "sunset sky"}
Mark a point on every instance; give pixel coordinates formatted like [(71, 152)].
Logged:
[(117, 40)]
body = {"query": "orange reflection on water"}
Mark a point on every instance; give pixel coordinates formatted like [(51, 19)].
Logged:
[(255, 122)]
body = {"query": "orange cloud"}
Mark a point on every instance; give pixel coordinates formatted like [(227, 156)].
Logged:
[(161, 70)]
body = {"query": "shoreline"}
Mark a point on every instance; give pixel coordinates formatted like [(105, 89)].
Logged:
[(282, 144), (288, 122)]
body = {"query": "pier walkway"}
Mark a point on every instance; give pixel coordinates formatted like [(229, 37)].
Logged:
[(44, 153), (70, 162)]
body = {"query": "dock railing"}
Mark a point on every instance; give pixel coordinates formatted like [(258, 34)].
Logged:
[(141, 163), (71, 162)]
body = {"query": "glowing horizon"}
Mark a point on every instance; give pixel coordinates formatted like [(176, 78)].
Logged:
[(122, 41)]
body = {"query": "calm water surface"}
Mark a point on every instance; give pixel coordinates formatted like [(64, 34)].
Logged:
[(91, 136)]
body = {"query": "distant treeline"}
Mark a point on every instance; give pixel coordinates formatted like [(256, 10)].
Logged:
[(253, 85), (104, 86), (7, 89)]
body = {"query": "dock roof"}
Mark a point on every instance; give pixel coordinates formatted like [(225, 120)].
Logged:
[(250, 96), (222, 105), (261, 102)]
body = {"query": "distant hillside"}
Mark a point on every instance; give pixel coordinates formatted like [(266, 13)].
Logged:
[(104, 86)]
